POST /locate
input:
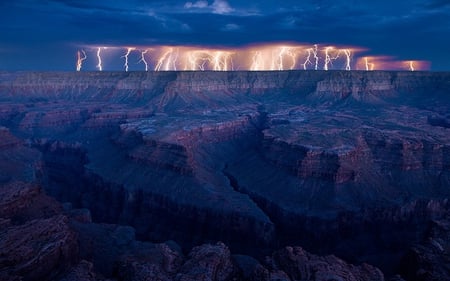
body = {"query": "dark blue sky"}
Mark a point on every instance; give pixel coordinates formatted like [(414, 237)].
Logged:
[(45, 34)]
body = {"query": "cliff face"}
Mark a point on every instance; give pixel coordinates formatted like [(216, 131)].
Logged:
[(134, 87), (332, 161)]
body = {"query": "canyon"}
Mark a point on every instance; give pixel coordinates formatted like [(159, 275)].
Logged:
[(271, 175)]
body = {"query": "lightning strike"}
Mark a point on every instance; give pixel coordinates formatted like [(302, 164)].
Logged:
[(256, 61), (315, 52), (256, 58), (99, 58), (308, 59), (348, 59), (192, 62), (292, 53), (143, 60), (81, 56), (221, 61), (196, 60), (127, 54), (218, 62), (168, 61), (174, 61), (277, 62), (273, 64), (162, 59), (369, 66), (329, 58)]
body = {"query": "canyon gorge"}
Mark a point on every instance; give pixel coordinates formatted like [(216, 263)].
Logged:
[(271, 175)]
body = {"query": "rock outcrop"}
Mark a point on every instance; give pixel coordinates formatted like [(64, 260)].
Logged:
[(301, 265), (39, 242), (430, 260), (36, 241)]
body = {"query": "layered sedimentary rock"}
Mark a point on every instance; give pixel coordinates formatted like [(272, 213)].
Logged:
[(350, 163)]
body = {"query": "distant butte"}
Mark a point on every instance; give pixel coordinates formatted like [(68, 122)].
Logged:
[(225, 175)]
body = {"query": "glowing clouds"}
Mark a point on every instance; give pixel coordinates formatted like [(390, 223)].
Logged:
[(254, 58), (371, 63), (168, 60), (290, 57), (188, 58), (282, 57), (414, 65)]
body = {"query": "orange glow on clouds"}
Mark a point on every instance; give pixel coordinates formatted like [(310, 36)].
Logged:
[(370, 63), (254, 58)]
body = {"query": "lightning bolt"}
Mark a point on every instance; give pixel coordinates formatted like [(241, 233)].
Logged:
[(168, 61), (256, 61), (369, 66), (192, 59), (81, 56), (197, 60), (231, 63), (348, 59), (202, 66), (162, 59), (126, 57), (273, 61), (293, 54), (143, 59), (315, 52), (328, 58), (281, 54), (220, 60), (99, 58), (256, 58), (174, 61), (308, 59)]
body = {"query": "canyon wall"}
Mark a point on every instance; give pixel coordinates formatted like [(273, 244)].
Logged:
[(349, 163)]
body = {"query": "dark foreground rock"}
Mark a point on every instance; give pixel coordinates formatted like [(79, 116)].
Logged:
[(301, 265), (70, 247), (431, 259), (36, 241)]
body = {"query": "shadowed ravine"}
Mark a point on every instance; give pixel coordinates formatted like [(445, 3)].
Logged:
[(354, 164)]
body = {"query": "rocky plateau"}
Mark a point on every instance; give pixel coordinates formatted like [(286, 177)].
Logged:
[(285, 175)]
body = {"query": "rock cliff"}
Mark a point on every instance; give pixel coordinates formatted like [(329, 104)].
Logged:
[(355, 164)]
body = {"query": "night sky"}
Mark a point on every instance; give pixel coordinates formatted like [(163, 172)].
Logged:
[(46, 34)]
